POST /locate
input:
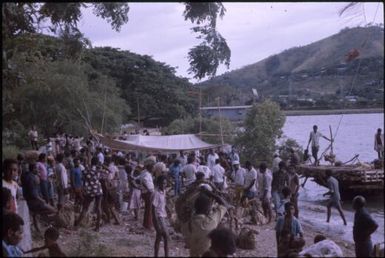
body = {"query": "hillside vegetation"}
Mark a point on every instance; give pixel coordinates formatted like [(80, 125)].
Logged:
[(312, 76)]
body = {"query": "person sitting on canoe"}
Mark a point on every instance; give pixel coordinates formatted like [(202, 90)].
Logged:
[(314, 139)]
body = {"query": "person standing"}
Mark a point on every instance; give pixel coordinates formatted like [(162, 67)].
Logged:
[(93, 192), (204, 169), (175, 170), (265, 179), (238, 176), (218, 175), (189, 171), (250, 185), (294, 187), (43, 175), (33, 136), (211, 158), (335, 199), (61, 181), (379, 144), (280, 180), (10, 169), (363, 227), (147, 190), (234, 156), (314, 139), (159, 215)]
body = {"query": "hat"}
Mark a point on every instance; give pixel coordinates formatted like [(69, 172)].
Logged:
[(235, 162)]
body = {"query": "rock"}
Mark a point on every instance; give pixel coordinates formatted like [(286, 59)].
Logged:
[(324, 248)]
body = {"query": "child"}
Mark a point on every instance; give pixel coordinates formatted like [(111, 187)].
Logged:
[(135, 201), (159, 214), (286, 193), (51, 235)]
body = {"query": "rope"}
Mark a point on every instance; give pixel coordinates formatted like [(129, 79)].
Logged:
[(359, 64)]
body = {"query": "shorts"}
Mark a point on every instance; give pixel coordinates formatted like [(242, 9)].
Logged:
[(314, 150), (333, 202)]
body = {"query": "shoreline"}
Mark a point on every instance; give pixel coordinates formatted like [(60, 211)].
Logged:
[(130, 239), (332, 111)]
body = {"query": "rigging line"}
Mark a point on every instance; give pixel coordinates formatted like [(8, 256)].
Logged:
[(359, 63)]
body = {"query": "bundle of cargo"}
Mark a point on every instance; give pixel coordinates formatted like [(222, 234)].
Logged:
[(31, 156)]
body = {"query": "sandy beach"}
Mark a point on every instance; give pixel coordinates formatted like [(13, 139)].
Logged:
[(131, 239)]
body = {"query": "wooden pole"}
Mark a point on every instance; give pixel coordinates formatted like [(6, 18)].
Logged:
[(220, 120), (137, 102), (331, 139), (200, 110)]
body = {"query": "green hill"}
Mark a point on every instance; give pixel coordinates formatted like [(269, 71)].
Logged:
[(317, 71)]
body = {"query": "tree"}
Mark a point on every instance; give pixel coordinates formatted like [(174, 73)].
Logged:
[(263, 125), (20, 18)]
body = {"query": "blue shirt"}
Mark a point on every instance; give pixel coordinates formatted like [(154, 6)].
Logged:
[(77, 177), (296, 228), (175, 171), (31, 189), (12, 250)]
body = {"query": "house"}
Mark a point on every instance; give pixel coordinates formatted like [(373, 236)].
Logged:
[(233, 113)]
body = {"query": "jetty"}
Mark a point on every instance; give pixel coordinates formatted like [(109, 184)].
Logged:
[(353, 179)]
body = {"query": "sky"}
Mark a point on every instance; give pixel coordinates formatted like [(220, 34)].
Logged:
[(253, 31)]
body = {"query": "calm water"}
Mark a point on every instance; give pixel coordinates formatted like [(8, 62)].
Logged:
[(354, 136)]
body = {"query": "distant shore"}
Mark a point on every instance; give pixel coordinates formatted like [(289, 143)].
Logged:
[(332, 111)]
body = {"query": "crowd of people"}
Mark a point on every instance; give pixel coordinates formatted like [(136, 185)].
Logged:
[(84, 172)]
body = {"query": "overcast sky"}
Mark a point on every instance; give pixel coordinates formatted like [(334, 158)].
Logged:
[(253, 31)]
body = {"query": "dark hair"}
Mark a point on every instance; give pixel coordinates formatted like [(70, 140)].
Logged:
[(199, 175), (315, 127), (359, 201), (262, 165), (11, 221), (94, 161), (176, 161), (328, 172), (7, 163), (122, 161), (319, 238), (42, 156), (190, 159), (160, 179), (202, 204), (31, 166), (247, 163), (288, 205), (223, 239), (76, 160), (282, 164), (20, 157), (6, 196), (59, 157), (379, 130), (51, 233), (217, 161), (286, 191)]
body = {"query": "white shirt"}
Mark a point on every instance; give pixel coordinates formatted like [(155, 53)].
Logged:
[(13, 187), (189, 172), (211, 160), (218, 173), (264, 182), (249, 177), (113, 170), (205, 170), (101, 157), (33, 135), (315, 138), (239, 176), (275, 165), (146, 179), (234, 156), (61, 172)]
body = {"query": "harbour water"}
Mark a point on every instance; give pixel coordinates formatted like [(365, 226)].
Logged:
[(355, 135)]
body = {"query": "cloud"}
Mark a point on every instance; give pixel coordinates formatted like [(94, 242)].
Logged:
[(253, 31)]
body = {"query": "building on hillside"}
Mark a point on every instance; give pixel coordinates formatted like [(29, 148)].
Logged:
[(233, 113)]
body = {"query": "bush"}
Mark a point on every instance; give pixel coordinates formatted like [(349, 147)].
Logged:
[(286, 145), (263, 125), (9, 151)]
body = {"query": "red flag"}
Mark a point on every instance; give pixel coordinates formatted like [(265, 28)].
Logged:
[(352, 54)]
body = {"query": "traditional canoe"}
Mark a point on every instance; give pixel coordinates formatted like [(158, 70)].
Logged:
[(352, 179)]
